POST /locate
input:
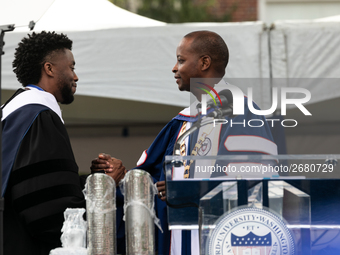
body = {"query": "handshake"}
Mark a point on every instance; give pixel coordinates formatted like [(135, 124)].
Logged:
[(115, 168)]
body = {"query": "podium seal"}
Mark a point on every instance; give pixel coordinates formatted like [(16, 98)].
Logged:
[(250, 231)]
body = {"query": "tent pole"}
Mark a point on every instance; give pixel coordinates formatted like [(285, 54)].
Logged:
[(3, 29)]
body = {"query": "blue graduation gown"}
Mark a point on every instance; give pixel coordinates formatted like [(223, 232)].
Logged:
[(153, 159)]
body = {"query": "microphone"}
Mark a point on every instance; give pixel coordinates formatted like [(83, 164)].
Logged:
[(220, 113), (225, 96), (226, 109)]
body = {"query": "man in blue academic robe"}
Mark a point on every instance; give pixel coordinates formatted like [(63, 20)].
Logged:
[(204, 55)]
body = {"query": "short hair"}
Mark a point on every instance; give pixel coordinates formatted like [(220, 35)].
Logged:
[(34, 51), (212, 44)]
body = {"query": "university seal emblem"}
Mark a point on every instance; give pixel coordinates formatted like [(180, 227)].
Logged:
[(250, 231), (205, 148)]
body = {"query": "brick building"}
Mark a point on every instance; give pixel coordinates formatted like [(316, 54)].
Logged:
[(271, 10), (238, 10)]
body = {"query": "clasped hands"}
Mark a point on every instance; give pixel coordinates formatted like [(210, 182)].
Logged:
[(111, 166), (115, 168)]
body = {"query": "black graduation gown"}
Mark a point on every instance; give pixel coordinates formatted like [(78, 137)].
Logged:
[(44, 181)]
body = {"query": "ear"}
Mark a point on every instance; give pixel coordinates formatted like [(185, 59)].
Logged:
[(205, 62), (48, 68)]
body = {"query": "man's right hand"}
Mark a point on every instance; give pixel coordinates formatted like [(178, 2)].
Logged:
[(111, 166)]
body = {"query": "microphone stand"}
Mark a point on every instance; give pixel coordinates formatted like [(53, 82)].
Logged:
[(3, 29)]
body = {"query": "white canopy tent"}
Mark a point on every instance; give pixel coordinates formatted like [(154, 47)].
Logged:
[(305, 54)]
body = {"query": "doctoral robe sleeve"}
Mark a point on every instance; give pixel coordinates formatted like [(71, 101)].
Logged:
[(44, 179), (153, 158)]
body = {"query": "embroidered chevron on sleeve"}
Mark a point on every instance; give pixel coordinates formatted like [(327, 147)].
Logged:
[(142, 158), (250, 143)]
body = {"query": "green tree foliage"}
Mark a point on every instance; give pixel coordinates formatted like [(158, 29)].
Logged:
[(179, 11), (121, 3)]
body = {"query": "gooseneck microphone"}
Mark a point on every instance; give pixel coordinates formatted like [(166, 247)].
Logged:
[(224, 109)]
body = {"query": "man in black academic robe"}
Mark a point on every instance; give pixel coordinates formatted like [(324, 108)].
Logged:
[(40, 175)]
